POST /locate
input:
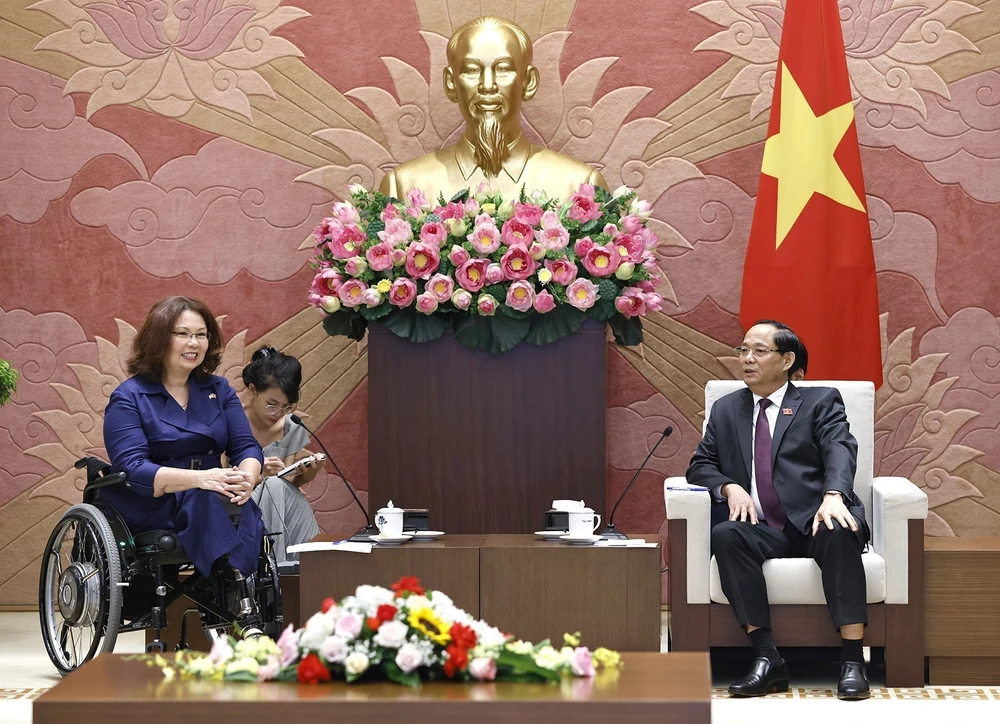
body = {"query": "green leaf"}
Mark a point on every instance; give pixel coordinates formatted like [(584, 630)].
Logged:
[(497, 291), (494, 335), (462, 196), (551, 326), (520, 664), (374, 226), (241, 676), (409, 324), (514, 313), (399, 676), (590, 226), (289, 673), (628, 332), (348, 323), (376, 312)]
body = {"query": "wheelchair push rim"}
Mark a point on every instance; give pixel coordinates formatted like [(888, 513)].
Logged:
[(79, 596)]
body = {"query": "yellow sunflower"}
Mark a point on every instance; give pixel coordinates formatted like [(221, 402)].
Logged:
[(430, 625)]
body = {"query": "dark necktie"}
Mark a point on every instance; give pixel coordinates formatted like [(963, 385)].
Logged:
[(769, 503)]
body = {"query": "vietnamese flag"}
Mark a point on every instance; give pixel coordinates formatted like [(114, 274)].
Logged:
[(810, 262)]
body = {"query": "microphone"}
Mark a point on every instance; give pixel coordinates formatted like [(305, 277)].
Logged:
[(362, 536), (610, 531)]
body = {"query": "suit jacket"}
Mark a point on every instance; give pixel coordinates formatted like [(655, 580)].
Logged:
[(812, 452), (145, 429)]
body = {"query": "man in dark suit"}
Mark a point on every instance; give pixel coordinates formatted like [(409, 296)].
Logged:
[(781, 461)]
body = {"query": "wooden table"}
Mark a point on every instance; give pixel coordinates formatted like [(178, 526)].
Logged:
[(450, 564), (661, 688), (539, 589), (961, 603)]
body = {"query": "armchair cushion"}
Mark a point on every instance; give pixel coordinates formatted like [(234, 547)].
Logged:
[(798, 580)]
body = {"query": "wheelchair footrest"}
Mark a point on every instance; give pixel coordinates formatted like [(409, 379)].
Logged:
[(154, 647)]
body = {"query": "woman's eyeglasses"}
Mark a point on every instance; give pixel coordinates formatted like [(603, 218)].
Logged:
[(197, 336)]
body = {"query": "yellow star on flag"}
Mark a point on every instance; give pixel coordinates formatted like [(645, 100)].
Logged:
[(800, 156)]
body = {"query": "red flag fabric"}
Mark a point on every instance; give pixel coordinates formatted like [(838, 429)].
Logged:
[(809, 261)]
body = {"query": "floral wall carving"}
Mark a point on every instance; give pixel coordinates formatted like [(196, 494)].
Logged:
[(189, 146)]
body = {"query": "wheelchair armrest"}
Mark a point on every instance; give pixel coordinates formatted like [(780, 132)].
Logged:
[(106, 480)]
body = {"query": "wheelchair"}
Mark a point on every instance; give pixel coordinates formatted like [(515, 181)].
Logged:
[(97, 580)]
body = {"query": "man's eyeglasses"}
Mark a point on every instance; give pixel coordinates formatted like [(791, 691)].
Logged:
[(757, 351), (197, 336)]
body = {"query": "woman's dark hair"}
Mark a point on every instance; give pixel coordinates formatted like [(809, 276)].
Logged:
[(152, 343), (270, 368), (786, 341)]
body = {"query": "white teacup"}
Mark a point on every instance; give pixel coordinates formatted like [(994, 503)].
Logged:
[(389, 521), (583, 522)]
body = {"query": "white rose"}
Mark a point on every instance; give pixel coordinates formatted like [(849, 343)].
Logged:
[(373, 595), (442, 600), (334, 649), (311, 639), (356, 663), (320, 623), (416, 602), (391, 634), (408, 657)]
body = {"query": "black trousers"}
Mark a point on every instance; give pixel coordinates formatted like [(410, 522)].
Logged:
[(741, 548)]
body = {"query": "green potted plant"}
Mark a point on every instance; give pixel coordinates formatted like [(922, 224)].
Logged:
[(8, 381)]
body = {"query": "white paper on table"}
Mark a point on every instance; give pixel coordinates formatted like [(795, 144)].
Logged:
[(340, 545), (629, 543)]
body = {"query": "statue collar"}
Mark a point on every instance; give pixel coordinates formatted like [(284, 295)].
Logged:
[(520, 151)]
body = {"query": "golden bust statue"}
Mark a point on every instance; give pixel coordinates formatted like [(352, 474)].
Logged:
[(489, 73)]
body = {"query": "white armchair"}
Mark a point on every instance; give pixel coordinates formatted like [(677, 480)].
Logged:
[(895, 510)]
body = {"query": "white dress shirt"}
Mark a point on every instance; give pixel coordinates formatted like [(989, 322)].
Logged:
[(772, 417)]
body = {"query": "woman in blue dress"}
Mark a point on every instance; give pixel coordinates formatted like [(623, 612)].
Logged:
[(167, 427)]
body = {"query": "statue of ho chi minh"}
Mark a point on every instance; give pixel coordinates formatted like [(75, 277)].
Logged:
[(489, 74)]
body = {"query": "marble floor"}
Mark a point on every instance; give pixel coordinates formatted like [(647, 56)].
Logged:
[(25, 672)]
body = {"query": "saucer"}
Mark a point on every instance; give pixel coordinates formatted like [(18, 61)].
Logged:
[(426, 534), (550, 534), (394, 540), (584, 541)]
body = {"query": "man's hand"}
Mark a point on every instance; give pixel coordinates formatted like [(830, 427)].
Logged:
[(741, 505), (832, 509)]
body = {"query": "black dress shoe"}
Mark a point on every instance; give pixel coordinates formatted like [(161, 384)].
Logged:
[(766, 677), (853, 682)]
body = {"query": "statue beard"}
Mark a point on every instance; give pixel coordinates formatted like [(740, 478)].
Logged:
[(490, 144)]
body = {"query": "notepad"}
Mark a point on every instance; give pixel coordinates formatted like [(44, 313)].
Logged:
[(340, 545)]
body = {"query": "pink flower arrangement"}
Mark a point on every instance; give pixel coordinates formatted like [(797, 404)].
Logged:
[(588, 257)]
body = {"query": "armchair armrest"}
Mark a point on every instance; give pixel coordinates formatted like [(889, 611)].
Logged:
[(694, 506), (896, 501)]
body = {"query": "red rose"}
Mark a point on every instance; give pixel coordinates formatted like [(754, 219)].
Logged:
[(386, 612), (462, 636), (311, 670), (408, 584), (328, 603), (458, 659), (373, 623)]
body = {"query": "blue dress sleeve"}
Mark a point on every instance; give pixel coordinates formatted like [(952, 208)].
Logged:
[(242, 444), (127, 444)]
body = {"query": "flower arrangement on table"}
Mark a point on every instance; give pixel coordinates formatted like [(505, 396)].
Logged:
[(406, 635), (496, 272)]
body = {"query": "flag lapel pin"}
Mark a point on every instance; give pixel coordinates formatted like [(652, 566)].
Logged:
[(213, 396), (787, 411)]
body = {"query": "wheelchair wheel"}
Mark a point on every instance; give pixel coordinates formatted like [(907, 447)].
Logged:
[(268, 594), (79, 596)]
